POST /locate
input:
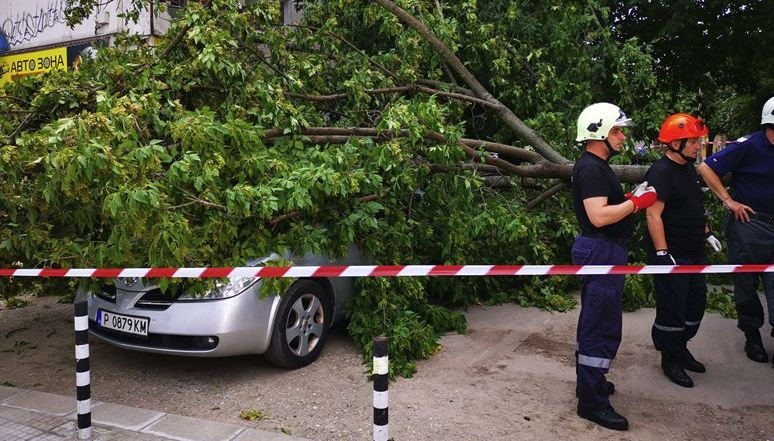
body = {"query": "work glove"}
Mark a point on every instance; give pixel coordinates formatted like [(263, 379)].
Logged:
[(643, 196), (664, 258), (713, 241), (638, 188)]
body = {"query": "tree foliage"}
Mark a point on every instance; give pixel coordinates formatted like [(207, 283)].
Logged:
[(717, 50), (239, 136)]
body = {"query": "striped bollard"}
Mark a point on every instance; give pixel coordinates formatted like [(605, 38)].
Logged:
[(381, 369), (82, 375)]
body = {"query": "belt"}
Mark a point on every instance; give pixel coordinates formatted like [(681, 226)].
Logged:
[(763, 217), (622, 241)]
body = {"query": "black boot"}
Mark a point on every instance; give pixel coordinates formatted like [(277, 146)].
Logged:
[(674, 371), (609, 388), (686, 360), (606, 417), (753, 347)]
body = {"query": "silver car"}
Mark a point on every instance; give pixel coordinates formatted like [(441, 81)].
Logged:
[(232, 319)]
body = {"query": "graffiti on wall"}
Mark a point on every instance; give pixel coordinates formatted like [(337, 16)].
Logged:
[(34, 18), (27, 24)]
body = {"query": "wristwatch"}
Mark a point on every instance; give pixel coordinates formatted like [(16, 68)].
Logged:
[(662, 252)]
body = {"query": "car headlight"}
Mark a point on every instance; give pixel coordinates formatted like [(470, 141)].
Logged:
[(222, 290)]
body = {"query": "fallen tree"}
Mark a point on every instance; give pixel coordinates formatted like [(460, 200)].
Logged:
[(239, 136)]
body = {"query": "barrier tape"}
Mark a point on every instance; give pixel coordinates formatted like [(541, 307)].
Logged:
[(385, 271)]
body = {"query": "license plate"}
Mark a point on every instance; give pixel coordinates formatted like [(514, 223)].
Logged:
[(123, 323)]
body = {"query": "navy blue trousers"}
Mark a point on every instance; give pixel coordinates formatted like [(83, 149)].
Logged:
[(680, 302), (753, 243), (601, 318)]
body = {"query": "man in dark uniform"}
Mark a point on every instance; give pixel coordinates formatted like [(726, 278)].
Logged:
[(677, 230), (606, 228), (750, 223)]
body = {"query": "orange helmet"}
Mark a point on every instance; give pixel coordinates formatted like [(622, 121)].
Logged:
[(682, 126)]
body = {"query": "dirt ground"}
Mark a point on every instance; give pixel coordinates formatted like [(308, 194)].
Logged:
[(510, 378)]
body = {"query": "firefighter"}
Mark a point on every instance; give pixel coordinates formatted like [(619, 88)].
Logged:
[(749, 223), (604, 214), (677, 229)]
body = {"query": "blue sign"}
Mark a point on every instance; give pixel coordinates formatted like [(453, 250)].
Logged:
[(3, 43)]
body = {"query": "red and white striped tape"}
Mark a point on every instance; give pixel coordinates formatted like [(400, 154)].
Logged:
[(386, 271)]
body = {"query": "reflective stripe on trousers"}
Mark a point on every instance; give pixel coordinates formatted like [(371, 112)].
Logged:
[(676, 329), (595, 362)]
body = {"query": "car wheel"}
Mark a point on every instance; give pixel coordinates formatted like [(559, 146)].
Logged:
[(301, 326)]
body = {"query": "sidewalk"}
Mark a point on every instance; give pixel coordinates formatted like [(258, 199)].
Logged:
[(37, 416)]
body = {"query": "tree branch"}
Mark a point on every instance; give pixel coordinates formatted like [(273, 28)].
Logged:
[(175, 41), (397, 89), (340, 135), (542, 169), (505, 114), (378, 65), (556, 188), (21, 127), (504, 149), (439, 84), (205, 203), (193, 199), (18, 100)]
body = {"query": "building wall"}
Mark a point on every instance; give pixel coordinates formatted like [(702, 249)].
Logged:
[(34, 24), (35, 36)]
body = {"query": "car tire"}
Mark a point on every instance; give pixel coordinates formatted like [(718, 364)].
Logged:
[(301, 326)]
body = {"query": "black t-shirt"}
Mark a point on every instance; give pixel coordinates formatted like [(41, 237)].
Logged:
[(683, 216), (593, 177)]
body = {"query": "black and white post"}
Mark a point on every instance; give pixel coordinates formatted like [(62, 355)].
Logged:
[(381, 379), (82, 373)]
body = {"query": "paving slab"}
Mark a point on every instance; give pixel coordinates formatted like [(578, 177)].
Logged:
[(193, 429), (123, 417), (9, 392), (43, 402)]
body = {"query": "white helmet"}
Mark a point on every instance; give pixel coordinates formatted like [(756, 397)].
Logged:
[(597, 119), (767, 115)]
